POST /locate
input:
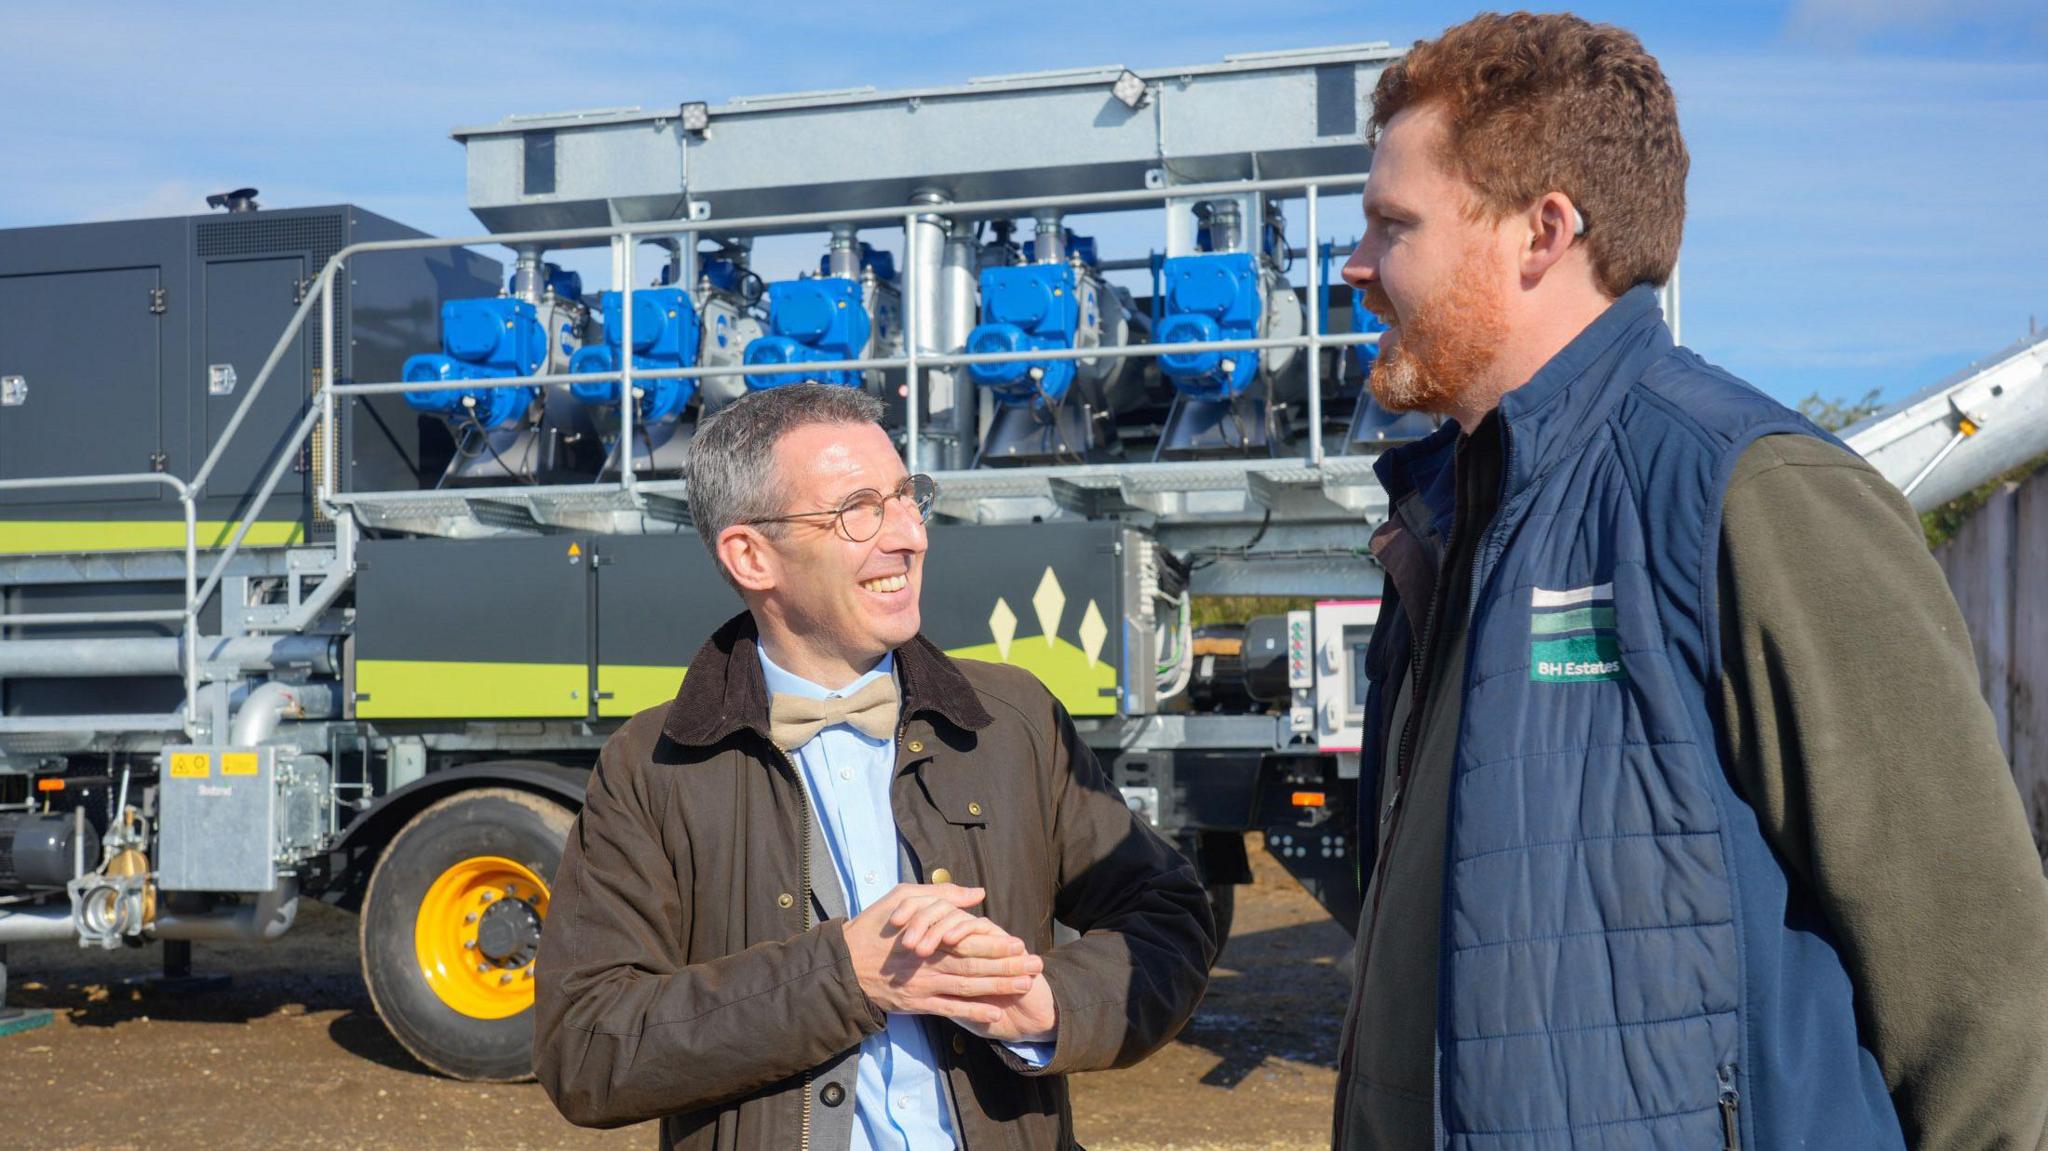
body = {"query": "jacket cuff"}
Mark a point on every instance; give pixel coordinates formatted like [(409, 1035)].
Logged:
[(831, 935), (1072, 1039)]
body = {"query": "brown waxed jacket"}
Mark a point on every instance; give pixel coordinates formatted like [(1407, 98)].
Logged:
[(680, 975)]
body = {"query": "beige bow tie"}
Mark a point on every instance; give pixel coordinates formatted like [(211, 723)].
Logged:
[(795, 720)]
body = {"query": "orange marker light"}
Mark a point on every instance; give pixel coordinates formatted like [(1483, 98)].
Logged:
[(52, 784), (1308, 799)]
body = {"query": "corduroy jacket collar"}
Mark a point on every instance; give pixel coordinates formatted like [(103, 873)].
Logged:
[(725, 692)]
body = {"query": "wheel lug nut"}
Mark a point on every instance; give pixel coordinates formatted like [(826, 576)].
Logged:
[(483, 968), (504, 979), (470, 918), (469, 945)]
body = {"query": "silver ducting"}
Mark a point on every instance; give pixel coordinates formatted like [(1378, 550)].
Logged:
[(260, 714), (959, 310), (844, 254)]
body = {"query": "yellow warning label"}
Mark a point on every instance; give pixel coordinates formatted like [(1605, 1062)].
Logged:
[(575, 549), (238, 763), (191, 765)]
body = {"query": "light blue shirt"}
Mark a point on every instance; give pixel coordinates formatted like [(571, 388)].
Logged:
[(899, 1102)]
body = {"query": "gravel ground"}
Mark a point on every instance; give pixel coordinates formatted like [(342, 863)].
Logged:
[(291, 1055)]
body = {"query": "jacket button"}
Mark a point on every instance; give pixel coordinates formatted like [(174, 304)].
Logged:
[(833, 1095), (785, 901), (974, 809), (941, 875), (915, 746), (959, 1044)]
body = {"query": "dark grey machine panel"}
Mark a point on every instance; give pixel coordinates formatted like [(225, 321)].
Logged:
[(126, 331), (88, 351)]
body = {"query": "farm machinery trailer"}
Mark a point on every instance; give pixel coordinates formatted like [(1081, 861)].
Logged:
[(331, 552)]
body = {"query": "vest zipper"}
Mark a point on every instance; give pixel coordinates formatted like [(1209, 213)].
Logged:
[(1731, 1108), (1418, 667)]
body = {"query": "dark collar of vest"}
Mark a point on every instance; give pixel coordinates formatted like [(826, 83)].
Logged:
[(1548, 419), (724, 691)]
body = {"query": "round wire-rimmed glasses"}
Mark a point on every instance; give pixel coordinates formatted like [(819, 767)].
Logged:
[(859, 516)]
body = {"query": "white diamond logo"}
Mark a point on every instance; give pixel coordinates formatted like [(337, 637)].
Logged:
[(1002, 623), (1049, 601), (1093, 632)]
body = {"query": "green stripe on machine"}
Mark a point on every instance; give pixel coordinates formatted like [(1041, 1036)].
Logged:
[(46, 537), (453, 689), (627, 689)]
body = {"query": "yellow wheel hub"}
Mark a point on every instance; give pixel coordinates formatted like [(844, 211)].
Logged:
[(476, 933)]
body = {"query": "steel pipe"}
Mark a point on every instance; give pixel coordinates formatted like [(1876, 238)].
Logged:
[(36, 924), (164, 655)]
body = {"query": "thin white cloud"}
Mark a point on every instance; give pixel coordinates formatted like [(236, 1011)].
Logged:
[(1848, 23)]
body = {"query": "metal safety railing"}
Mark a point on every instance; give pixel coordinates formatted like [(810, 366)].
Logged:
[(321, 413), (187, 617), (913, 362)]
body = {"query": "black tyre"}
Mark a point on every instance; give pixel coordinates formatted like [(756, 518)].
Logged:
[(449, 926)]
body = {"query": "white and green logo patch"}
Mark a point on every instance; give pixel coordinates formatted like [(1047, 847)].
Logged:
[(1572, 637)]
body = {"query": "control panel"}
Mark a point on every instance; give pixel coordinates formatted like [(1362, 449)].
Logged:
[(1340, 632)]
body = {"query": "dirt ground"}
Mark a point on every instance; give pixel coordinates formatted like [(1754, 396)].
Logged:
[(290, 1054)]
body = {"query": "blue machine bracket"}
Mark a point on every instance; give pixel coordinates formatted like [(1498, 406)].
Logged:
[(481, 340), (811, 321), (1210, 297), (1027, 307), (666, 334)]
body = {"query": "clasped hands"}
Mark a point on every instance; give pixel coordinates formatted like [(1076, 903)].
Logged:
[(918, 950)]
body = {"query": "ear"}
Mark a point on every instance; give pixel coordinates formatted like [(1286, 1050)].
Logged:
[(750, 557), (1553, 223)]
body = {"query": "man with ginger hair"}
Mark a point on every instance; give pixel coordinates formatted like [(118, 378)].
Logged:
[(1688, 827)]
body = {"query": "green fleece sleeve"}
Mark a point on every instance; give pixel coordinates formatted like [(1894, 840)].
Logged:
[(1852, 715)]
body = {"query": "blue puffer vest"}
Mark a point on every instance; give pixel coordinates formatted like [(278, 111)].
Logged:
[(1624, 961)]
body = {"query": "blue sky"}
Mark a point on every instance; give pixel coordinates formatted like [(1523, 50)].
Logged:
[(1866, 199)]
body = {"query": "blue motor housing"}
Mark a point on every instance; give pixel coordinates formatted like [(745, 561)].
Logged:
[(1026, 307), (1210, 297), (1362, 320), (811, 321), (481, 340), (665, 335)]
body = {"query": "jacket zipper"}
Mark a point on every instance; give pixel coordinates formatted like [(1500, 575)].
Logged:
[(1731, 1109), (1494, 530), (1418, 666), (803, 801)]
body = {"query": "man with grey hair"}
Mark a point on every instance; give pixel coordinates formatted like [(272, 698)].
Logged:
[(809, 903)]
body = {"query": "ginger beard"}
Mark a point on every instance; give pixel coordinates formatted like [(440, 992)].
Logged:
[(1431, 355)]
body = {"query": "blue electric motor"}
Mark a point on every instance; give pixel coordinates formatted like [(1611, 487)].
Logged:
[(481, 340), (1026, 307), (1210, 297), (665, 335), (1362, 320), (811, 321)]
